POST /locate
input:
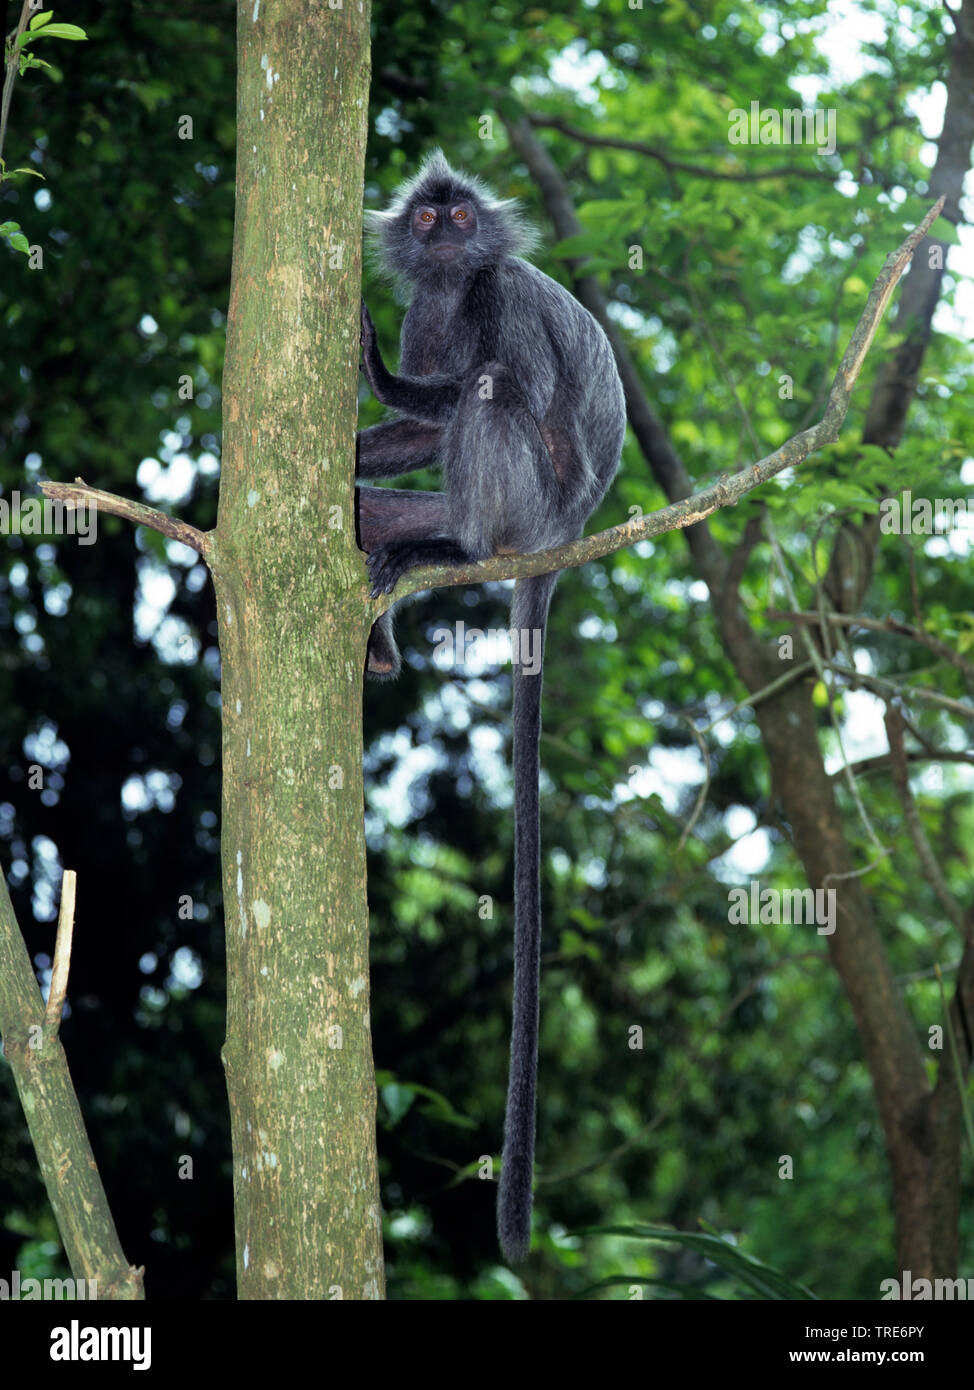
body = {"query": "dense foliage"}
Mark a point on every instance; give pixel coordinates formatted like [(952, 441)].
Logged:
[(110, 676)]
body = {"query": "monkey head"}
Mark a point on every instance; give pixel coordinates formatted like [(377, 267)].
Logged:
[(445, 225)]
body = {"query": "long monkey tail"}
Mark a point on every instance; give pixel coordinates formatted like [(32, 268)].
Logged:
[(529, 616)]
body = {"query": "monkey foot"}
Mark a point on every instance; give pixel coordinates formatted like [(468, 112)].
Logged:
[(388, 563)]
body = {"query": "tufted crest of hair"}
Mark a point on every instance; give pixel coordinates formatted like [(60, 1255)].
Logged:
[(501, 227)]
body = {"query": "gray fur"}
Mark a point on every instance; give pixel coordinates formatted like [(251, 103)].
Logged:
[(510, 387)]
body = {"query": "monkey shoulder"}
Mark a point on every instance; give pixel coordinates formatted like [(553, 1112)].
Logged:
[(553, 337), (542, 302)]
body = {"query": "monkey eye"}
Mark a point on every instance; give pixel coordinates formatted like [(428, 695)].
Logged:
[(427, 216), (459, 214)]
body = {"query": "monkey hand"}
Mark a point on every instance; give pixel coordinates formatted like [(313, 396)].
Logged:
[(368, 330), (372, 364)]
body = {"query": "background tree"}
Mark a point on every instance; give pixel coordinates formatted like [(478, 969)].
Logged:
[(755, 264)]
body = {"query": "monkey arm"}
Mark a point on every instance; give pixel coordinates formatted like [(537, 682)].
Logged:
[(429, 398)]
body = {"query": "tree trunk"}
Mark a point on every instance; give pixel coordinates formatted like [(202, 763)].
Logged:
[(293, 621)]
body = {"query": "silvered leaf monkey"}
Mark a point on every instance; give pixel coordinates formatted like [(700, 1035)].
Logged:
[(510, 387)]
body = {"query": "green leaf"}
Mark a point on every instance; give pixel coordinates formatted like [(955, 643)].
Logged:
[(54, 31), (398, 1100), (155, 543), (945, 231), (29, 60), (66, 31), (41, 19), (439, 1108), (764, 1280), (614, 210), (571, 945), (585, 919), (582, 245), (394, 1093)]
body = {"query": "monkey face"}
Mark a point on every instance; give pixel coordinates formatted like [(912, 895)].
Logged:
[(444, 230)]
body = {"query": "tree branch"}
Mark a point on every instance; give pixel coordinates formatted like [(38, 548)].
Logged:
[(57, 1129), (690, 510), (880, 762), (672, 165), (79, 493), (890, 625), (62, 954), (13, 69)]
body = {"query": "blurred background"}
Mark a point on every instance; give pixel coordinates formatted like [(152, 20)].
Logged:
[(681, 1055)]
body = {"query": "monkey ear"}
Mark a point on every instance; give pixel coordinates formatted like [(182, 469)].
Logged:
[(375, 221), (380, 229)]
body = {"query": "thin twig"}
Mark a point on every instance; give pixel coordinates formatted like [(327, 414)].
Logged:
[(880, 762), (704, 786), (62, 953), (878, 685), (672, 165), (857, 873), (820, 667), (13, 68), (931, 870), (755, 697), (893, 625)]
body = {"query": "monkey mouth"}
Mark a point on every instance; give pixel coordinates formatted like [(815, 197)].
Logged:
[(446, 251)]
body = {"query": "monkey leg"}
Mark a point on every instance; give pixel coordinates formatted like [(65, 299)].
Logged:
[(396, 446), (388, 519), (400, 530), (503, 491), (387, 514)]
